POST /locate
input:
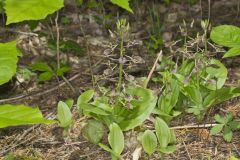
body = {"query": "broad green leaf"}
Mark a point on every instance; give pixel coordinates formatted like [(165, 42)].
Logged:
[(227, 134), (163, 132), (143, 106), (69, 102), (64, 114), (186, 68), (14, 115), (221, 95), (61, 71), (194, 94), (232, 52), (93, 109), (149, 142), (45, 76), (173, 138), (85, 97), (162, 114), (102, 103), (93, 131), (169, 98), (226, 35), (21, 10), (218, 72), (216, 129), (116, 138), (123, 4), (41, 66), (8, 61)]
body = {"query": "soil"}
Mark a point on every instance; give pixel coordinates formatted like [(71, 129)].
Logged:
[(48, 141)]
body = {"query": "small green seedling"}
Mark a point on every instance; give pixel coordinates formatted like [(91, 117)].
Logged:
[(225, 124), (64, 115), (116, 141), (46, 72)]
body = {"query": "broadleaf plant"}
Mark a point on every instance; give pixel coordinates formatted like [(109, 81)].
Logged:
[(18, 11), (194, 91), (8, 61), (227, 36), (14, 115), (118, 112)]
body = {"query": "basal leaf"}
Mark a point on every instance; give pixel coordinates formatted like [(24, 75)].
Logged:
[(116, 138), (226, 35), (93, 131), (149, 142), (186, 68), (85, 97), (93, 109), (14, 115), (169, 99), (163, 132), (8, 61), (123, 4), (194, 94), (64, 114), (21, 10), (142, 107), (224, 94), (218, 72)]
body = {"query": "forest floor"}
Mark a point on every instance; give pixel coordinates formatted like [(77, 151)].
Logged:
[(46, 141)]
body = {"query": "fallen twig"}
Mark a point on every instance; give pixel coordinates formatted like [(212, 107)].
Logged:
[(153, 68)]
